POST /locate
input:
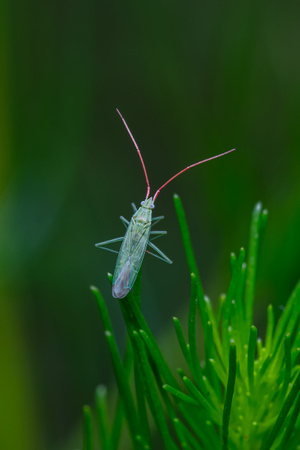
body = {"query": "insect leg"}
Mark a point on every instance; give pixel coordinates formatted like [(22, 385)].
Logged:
[(125, 221), (134, 207), (156, 256), (157, 234), (163, 256), (155, 220), (111, 241)]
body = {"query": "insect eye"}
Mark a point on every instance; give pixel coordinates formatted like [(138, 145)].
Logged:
[(152, 206), (142, 203)]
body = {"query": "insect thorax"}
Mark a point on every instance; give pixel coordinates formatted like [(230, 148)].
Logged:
[(142, 218)]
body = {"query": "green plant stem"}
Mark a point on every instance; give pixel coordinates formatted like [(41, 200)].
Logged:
[(282, 324), (189, 253), (140, 399), (291, 426), (180, 431), (288, 363), (211, 412), (210, 353), (180, 395), (152, 395), (252, 262), (283, 413), (183, 345), (229, 395), (216, 341), (88, 429), (197, 372), (228, 305), (119, 370), (119, 413), (251, 356), (270, 329), (101, 398), (135, 321)]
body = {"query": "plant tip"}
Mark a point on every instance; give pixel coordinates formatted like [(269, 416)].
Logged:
[(258, 206), (101, 390)]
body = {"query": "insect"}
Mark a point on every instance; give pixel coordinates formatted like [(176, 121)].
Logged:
[(139, 234)]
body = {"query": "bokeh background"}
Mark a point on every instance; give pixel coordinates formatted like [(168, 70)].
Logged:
[(192, 79)]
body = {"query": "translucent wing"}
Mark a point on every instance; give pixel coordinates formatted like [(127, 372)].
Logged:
[(130, 258), (121, 287)]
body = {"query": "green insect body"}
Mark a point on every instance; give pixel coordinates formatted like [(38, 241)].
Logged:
[(134, 246), (139, 234)]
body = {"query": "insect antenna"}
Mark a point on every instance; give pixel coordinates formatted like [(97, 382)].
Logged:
[(187, 168), (139, 153)]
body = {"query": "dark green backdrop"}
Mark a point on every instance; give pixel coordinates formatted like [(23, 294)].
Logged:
[(192, 79)]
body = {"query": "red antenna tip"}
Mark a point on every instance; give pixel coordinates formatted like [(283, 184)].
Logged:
[(187, 168)]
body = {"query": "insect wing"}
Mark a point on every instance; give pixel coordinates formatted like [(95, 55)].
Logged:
[(130, 258), (121, 287)]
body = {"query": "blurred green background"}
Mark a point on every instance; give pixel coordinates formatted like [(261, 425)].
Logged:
[(192, 79)]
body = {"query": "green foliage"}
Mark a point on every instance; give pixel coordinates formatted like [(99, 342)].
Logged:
[(244, 395)]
